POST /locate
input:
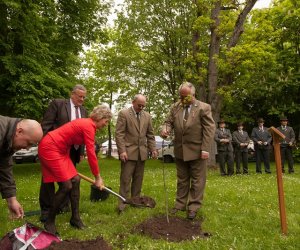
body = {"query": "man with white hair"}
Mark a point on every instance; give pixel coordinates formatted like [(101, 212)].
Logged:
[(15, 134), (194, 128)]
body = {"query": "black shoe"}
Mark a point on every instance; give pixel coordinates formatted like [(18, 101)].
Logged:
[(291, 171), (258, 172), (191, 215), (77, 223), (283, 171), (268, 172), (237, 172)]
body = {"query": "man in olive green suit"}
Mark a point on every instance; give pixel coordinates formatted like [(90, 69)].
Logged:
[(194, 130), (134, 139)]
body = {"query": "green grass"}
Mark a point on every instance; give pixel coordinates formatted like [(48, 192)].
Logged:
[(241, 212)]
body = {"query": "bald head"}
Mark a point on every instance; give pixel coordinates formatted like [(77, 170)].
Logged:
[(28, 133), (138, 102)]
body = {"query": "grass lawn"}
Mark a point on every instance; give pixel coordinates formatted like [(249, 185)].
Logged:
[(241, 212)]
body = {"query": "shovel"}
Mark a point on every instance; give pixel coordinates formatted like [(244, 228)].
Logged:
[(130, 201)]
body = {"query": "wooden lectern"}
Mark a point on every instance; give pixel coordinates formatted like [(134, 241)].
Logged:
[(277, 135)]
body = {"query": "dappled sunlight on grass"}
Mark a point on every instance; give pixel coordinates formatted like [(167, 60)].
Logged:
[(241, 211)]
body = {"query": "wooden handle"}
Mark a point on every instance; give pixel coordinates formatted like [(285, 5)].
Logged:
[(86, 178)]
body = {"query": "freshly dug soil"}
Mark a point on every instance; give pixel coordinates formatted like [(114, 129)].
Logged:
[(142, 201), (178, 229), (96, 244)]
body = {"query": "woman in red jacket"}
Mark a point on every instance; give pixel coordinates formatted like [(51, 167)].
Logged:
[(54, 155)]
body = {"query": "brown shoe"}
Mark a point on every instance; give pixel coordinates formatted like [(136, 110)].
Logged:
[(191, 214)]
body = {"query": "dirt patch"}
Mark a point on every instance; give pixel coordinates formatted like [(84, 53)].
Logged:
[(178, 229), (142, 201), (96, 244)]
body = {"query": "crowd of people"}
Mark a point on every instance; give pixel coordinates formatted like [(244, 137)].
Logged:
[(235, 146), (66, 128)]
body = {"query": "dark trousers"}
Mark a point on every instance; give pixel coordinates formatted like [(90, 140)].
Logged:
[(286, 153), (226, 157), (262, 154), (241, 157), (47, 190)]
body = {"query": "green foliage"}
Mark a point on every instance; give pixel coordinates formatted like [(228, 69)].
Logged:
[(39, 46), (241, 212)]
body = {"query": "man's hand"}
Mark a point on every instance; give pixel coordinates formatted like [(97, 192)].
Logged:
[(81, 158), (15, 209), (154, 154), (204, 155), (260, 142), (164, 133), (123, 157)]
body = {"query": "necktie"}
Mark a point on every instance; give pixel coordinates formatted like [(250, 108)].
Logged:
[(76, 112), (186, 114), (138, 118), (77, 116)]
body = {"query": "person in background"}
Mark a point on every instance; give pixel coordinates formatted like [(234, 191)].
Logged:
[(286, 145), (262, 143), (194, 128), (241, 141), (15, 134), (223, 139), (57, 165), (134, 139), (59, 112)]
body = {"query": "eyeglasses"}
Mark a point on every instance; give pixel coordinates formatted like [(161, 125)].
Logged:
[(80, 96), (141, 106)]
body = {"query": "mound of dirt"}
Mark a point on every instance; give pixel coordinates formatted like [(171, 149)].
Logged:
[(96, 244), (143, 201), (178, 229)]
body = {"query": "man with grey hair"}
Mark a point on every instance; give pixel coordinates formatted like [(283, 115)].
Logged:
[(134, 139), (15, 134), (59, 112), (194, 128)]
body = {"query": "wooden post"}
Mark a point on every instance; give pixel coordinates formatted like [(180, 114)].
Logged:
[(277, 135)]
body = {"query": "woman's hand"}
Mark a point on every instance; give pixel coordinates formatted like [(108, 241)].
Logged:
[(99, 182)]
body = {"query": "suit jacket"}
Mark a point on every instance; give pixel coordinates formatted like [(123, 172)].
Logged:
[(263, 136), (239, 138), (134, 139), (223, 135), (197, 133), (289, 136), (59, 113), (8, 128)]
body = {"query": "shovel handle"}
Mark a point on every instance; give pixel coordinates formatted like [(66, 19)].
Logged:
[(105, 188)]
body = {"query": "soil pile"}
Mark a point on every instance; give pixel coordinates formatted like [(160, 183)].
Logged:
[(178, 229), (96, 244), (142, 201)]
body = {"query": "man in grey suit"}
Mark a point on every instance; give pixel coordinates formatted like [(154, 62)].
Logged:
[(223, 139), (194, 130), (134, 139), (59, 112), (286, 145), (241, 141), (262, 144)]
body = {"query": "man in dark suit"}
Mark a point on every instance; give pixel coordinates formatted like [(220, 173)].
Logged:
[(262, 145), (241, 140), (59, 112), (287, 144), (194, 128), (223, 139), (134, 139)]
